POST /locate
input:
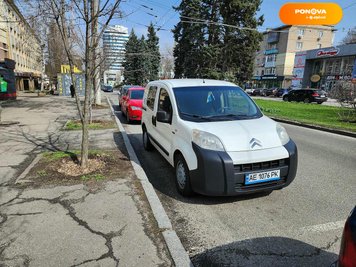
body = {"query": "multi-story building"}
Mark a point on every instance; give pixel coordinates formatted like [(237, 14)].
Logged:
[(322, 68), (275, 60), (19, 42), (114, 41)]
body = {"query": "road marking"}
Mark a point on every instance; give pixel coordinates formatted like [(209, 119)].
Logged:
[(324, 227)]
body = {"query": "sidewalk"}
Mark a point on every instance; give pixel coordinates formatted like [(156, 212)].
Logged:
[(59, 225)]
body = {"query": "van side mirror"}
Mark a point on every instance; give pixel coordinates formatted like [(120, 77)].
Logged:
[(163, 116)]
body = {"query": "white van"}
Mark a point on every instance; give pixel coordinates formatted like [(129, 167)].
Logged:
[(216, 138)]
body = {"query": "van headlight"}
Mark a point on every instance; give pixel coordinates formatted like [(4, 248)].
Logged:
[(207, 140), (282, 133)]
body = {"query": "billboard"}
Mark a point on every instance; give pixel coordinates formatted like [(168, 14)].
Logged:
[(64, 81), (298, 70)]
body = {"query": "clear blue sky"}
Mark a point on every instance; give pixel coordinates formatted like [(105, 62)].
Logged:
[(141, 12)]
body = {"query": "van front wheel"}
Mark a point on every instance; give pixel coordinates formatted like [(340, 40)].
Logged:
[(182, 177)]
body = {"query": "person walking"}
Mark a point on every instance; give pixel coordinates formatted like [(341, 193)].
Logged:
[(72, 90)]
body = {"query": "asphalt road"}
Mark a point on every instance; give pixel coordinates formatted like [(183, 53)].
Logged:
[(300, 225)]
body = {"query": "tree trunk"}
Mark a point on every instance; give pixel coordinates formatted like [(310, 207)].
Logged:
[(96, 61), (88, 78)]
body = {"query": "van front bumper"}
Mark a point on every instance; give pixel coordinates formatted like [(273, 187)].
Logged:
[(217, 175)]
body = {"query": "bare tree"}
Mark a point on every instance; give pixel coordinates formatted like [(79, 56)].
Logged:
[(350, 37), (345, 94), (82, 15), (167, 64)]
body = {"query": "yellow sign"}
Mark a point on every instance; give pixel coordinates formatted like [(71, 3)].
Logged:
[(315, 78), (66, 69)]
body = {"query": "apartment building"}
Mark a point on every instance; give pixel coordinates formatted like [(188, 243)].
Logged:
[(19, 42), (114, 42), (274, 61)]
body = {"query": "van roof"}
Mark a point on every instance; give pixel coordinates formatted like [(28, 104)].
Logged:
[(194, 82)]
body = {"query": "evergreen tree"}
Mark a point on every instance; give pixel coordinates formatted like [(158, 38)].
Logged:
[(207, 47), (154, 54), (189, 38), (240, 45), (131, 63), (143, 59)]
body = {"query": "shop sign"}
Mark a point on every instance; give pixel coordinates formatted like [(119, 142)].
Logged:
[(315, 78), (327, 53), (339, 77), (278, 78)]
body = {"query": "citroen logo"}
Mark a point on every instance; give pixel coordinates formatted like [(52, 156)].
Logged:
[(255, 142)]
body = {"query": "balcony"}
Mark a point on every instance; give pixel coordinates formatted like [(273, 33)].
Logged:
[(270, 64), (271, 51)]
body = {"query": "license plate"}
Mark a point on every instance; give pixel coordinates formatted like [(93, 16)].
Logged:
[(261, 177), (322, 96)]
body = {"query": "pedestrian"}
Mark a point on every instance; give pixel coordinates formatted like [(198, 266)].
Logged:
[(72, 90)]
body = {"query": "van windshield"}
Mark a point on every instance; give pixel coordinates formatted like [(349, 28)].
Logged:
[(214, 103)]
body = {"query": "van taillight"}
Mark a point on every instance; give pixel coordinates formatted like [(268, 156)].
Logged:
[(347, 256), (315, 94)]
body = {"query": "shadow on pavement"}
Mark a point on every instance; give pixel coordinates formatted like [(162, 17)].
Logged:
[(265, 251)]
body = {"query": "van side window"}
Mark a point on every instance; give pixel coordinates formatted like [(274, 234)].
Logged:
[(165, 102), (151, 97)]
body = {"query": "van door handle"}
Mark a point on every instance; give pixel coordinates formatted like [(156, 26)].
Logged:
[(154, 120)]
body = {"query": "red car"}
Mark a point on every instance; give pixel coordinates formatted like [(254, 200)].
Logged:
[(347, 255), (131, 105)]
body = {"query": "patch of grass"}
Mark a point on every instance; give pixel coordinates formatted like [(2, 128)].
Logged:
[(73, 125), (59, 155), (313, 114), (41, 173), (96, 177)]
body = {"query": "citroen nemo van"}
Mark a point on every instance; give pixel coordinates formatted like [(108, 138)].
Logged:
[(216, 138)]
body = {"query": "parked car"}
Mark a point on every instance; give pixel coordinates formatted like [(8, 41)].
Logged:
[(131, 106), (281, 92), (267, 91), (216, 138), (256, 92), (306, 96), (123, 91), (347, 255), (249, 91), (106, 88)]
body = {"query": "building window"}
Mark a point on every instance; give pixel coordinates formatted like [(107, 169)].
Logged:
[(299, 45), (321, 33), (300, 32), (273, 70), (319, 46), (271, 58)]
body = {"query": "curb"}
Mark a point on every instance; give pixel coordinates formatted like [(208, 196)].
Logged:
[(19, 179), (175, 247), (315, 127)]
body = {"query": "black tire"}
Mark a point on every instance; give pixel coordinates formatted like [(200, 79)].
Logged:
[(127, 117), (285, 98), (182, 177), (147, 145), (320, 103), (306, 100)]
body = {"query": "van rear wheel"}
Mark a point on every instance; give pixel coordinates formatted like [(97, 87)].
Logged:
[(147, 145), (182, 177)]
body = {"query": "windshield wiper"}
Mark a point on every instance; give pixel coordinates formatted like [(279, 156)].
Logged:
[(196, 116), (231, 115)]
